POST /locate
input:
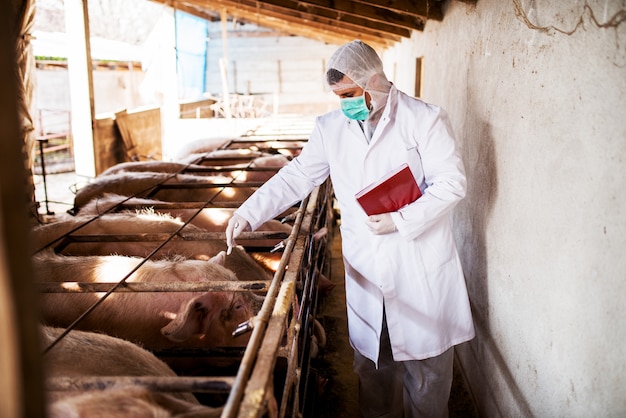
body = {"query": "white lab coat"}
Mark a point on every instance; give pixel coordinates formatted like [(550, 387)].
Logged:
[(415, 271)]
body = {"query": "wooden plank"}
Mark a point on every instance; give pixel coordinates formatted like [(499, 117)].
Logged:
[(141, 133), (107, 144)]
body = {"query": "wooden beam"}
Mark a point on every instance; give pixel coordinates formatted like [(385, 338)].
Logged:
[(425, 9), (253, 15), (363, 10), (201, 12), (321, 29), (294, 18), (333, 17)]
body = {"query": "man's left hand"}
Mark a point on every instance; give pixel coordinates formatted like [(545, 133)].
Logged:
[(381, 224)]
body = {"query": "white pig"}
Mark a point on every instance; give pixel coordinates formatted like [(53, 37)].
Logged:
[(218, 157), (273, 162), (131, 223), (157, 320), (209, 219), (84, 354), (156, 166), (154, 185)]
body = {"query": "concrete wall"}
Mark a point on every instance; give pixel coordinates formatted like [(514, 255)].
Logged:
[(536, 91), (288, 68), (113, 91)]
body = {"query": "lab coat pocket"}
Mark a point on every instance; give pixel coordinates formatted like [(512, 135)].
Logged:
[(437, 249)]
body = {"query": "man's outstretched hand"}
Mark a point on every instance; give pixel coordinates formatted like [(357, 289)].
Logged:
[(236, 225)]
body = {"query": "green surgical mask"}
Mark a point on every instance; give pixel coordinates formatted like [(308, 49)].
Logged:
[(354, 107)]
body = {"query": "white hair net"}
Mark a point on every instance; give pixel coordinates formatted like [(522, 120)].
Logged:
[(361, 64)]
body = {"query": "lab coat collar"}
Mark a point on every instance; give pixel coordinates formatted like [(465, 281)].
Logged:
[(355, 127), (390, 106)]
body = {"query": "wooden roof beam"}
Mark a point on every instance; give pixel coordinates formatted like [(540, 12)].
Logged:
[(302, 28), (388, 32), (363, 10), (428, 9), (330, 18), (296, 22), (301, 25), (183, 6)]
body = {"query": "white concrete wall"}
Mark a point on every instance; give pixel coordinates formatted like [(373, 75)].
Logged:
[(292, 67), (113, 91), (540, 115)]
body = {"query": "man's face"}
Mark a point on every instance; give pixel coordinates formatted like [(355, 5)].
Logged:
[(351, 91)]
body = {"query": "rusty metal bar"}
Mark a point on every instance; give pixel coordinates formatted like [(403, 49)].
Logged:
[(213, 286), (158, 384), (294, 369), (245, 369), (198, 352), (181, 236), (234, 184), (259, 386), (197, 168), (257, 142)]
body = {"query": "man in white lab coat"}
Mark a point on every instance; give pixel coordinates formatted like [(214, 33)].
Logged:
[(406, 297)]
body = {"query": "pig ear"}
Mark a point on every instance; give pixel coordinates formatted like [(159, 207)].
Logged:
[(220, 258), (189, 320)]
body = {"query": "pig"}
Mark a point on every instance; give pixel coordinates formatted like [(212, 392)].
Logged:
[(149, 166), (274, 161), (156, 320), (271, 161), (239, 170), (131, 223), (150, 184), (128, 402), (219, 157), (241, 159), (209, 219), (84, 354), (199, 146)]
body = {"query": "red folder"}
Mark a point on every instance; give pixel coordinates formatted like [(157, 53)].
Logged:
[(388, 194)]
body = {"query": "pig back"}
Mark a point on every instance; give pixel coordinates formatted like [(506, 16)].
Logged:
[(140, 316), (84, 354)]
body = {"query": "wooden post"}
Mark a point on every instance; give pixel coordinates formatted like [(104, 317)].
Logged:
[(81, 85), (224, 67), (21, 376)]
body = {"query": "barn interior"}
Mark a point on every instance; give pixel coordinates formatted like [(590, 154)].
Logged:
[(535, 92)]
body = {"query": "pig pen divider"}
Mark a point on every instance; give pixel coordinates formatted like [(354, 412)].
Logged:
[(259, 358), (251, 392), (280, 342)]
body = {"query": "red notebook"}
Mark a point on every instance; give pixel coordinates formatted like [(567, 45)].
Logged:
[(388, 194)]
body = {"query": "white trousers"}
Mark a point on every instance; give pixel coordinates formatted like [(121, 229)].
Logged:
[(403, 389)]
